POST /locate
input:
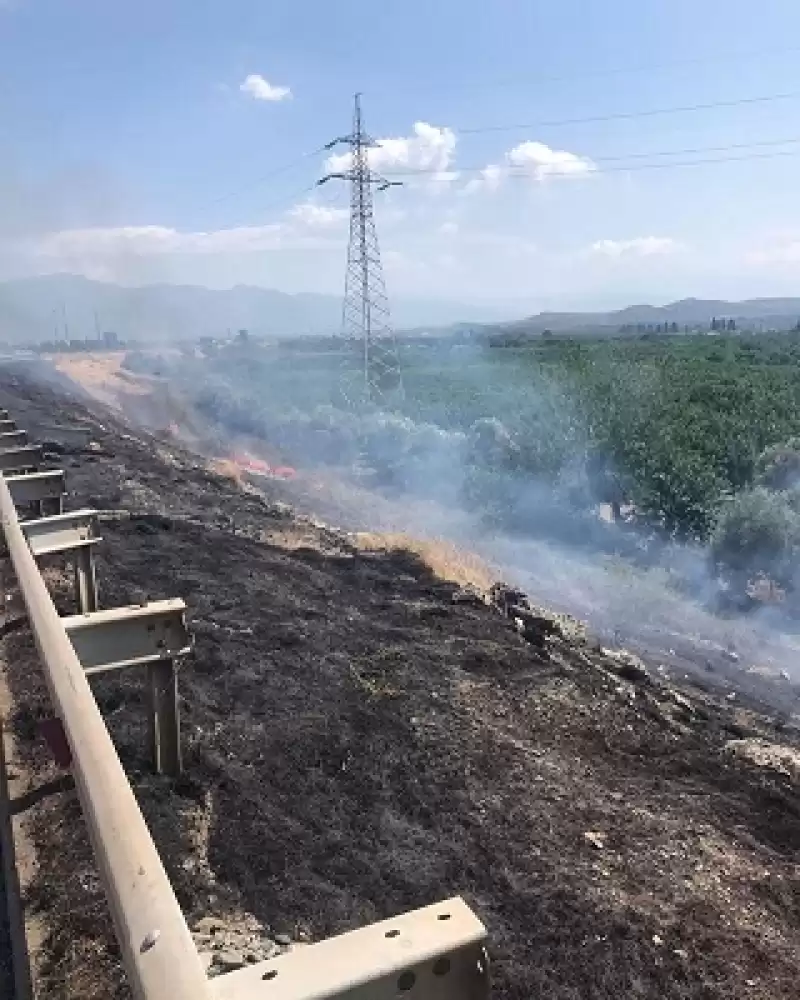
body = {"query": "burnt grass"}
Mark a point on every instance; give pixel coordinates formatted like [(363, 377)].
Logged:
[(358, 744)]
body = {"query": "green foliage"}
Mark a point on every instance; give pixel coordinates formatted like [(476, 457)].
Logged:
[(778, 467), (669, 424), (757, 531), (681, 421)]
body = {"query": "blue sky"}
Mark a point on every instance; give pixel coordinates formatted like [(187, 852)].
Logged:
[(132, 148)]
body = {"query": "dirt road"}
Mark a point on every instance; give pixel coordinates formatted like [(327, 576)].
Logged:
[(359, 742)]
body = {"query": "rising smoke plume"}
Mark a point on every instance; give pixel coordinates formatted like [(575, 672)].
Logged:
[(501, 467)]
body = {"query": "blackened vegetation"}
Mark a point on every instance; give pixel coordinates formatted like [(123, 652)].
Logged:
[(358, 742)]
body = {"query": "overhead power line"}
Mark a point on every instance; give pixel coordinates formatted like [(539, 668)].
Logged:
[(621, 157), (512, 170), (551, 123), (625, 115), (282, 201), (262, 178), (687, 151)]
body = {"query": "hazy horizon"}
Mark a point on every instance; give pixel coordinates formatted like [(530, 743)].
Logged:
[(512, 308)]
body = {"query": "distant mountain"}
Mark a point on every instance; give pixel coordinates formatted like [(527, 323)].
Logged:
[(780, 313), (35, 309)]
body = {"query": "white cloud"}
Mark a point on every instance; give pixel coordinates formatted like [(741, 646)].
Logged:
[(156, 240), (430, 148), (541, 161), (641, 246), (317, 216), (489, 179), (531, 159), (448, 228), (259, 89), (99, 241)]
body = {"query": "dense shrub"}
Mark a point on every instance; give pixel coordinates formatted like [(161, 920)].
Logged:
[(757, 532)]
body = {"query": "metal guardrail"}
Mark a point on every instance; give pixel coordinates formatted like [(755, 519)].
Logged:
[(157, 948), (436, 952)]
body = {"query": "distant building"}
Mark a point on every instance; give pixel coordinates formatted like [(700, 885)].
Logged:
[(111, 341)]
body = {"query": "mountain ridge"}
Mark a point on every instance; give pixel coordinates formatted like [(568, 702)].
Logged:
[(781, 312), (64, 306)]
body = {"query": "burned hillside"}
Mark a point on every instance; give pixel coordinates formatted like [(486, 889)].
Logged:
[(362, 737)]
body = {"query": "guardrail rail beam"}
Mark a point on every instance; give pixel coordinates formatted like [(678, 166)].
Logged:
[(75, 533), (27, 456), (41, 490), (151, 635), (129, 637), (77, 436), (10, 439), (436, 953)]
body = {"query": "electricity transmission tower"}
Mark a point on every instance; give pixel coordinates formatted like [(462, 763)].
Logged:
[(366, 321)]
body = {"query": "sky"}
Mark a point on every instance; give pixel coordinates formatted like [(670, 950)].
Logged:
[(544, 162)]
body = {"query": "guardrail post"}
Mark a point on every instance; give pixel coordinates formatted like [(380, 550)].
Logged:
[(164, 717), (85, 580)]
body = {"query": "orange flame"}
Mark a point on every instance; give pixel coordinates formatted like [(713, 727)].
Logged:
[(248, 463)]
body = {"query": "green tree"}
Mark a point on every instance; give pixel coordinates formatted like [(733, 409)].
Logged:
[(757, 531), (778, 467)]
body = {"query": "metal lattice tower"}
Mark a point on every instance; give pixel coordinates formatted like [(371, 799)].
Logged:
[(366, 321)]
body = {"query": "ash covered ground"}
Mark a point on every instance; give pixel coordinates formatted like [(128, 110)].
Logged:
[(359, 742)]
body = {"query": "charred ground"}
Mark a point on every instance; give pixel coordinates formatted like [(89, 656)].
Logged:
[(359, 743)]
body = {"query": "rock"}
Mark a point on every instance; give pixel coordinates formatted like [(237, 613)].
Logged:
[(467, 595), (536, 628), (596, 838), (762, 753), (229, 961), (284, 940), (628, 666), (208, 925), (505, 597)]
